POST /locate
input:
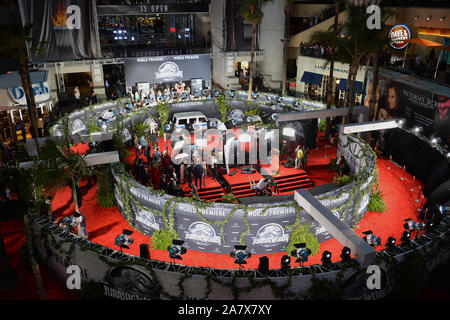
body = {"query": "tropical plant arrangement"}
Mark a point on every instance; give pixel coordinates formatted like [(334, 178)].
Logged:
[(376, 201)]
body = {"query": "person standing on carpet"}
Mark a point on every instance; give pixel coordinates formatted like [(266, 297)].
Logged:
[(143, 142), (188, 172), (197, 170), (204, 173), (148, 154), (298, 157), (137, 145), (305, 158), (157, 154)]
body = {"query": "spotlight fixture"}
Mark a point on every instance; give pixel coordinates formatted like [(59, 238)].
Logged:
[(448, 155), (435, 141), (401, 123), (406, 238), (285, 263), (124, 240), (176, 249), (416, 17), (240, 254), (326, 259), (417, 130), (442, 18), (390, 243), (301, 253), (429, 17), (371, 238), (345, 254)]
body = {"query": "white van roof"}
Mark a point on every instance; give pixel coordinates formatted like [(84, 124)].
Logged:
[(188, 114)]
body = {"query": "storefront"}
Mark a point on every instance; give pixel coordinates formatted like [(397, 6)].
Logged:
[(14, 117), (312, 79), (165, 71)]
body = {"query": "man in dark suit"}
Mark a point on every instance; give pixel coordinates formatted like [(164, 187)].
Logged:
[(198, 172)]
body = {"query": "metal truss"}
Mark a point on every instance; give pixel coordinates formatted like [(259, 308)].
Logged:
[(420, 241)]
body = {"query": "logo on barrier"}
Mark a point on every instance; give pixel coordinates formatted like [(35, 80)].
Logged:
[(126, 135), (399, 36), (128, 283), (78, 126), (202, 234), (147, 219), (236, 115), (169, 71), (108, 115), (270, 235)]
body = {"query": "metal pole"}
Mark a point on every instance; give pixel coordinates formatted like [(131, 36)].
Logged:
[(437, 65)]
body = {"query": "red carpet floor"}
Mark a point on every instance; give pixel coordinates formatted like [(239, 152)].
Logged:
[(104, 224)]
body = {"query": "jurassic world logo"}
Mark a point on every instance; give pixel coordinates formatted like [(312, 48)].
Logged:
[(270, 235), (169, 71), (126, 135), (147, 219), (78, 126), (108, 115), (129, 283), (202, 234)]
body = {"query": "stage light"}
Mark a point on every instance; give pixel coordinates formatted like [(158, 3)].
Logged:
[(416, 17), (406, 238), (176, 249), (429, 17), (289, 132), (240, 254), (417, 130), (390, 243), (301, 253), (435, 141), (401, 123), (444, 210), (346, 254), (371, 238), (448, 155), (326, 259), (285, 263), (124, 240), (442, 18)]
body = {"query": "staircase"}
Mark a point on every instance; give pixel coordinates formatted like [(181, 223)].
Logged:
[(290, 183), (211, 193)]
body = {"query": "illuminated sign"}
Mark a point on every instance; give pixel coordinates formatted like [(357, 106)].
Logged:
[(399, 36)]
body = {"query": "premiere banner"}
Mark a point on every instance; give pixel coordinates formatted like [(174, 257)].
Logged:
[(167, 69), (65, 29)]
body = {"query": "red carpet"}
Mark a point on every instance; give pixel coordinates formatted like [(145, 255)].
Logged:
[(104, 224)]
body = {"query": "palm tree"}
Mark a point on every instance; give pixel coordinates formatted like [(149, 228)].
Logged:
[(251, 12), (355, 41), (14, 41)]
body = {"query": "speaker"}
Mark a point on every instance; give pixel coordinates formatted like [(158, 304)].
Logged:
[(263, 264), (144, 252)]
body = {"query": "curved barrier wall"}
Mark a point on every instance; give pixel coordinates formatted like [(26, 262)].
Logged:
[(217, 227), (264, 228), (114, 272)]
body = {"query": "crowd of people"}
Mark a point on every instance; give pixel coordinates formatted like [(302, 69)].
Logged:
[(161, 173), (168, 94), (315, 50)]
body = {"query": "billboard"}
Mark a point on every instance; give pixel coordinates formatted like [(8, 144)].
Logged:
[(167, 69), (65, 29)]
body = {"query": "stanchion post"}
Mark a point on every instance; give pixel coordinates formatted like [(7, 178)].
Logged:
[(412, 184), (418, 194), (403, 173)]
